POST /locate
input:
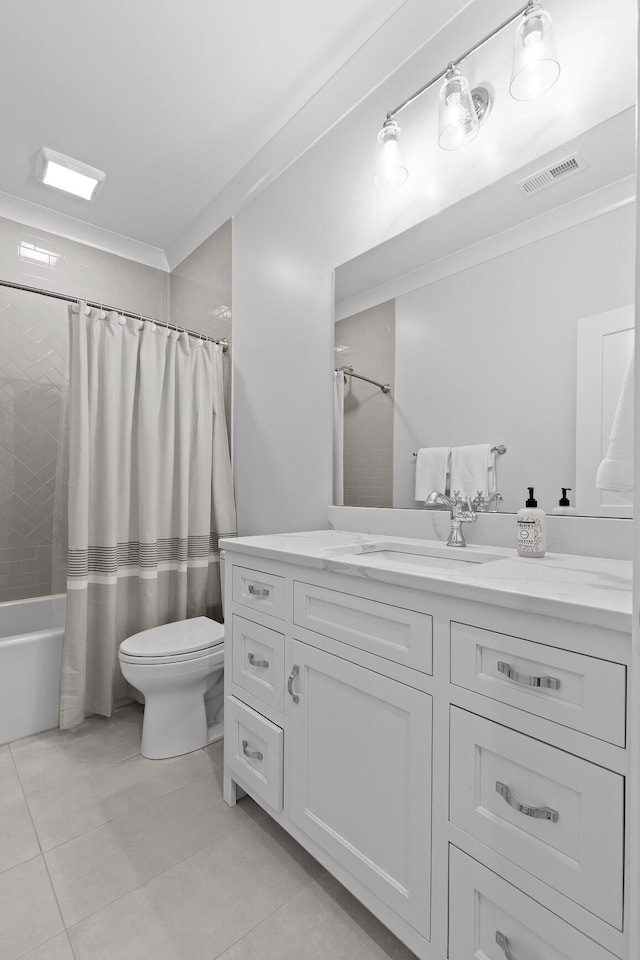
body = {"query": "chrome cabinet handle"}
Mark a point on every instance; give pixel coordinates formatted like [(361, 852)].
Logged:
[(503, 943), (551, 683), (538, 813), (252, 754), (294, 673), (258, 591), (256, 663)]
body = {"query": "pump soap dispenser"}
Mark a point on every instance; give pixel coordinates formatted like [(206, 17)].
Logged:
[(564, 507), (532, 541)]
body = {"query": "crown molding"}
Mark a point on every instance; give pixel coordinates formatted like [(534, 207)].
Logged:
[(42, 218)]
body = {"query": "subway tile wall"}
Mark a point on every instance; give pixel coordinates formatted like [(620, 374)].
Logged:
[(33, 379), (366, 340)]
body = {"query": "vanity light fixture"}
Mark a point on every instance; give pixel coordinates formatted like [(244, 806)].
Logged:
[(535, 62), (536, 69), (390, 168), (65, 173), (459, 122)]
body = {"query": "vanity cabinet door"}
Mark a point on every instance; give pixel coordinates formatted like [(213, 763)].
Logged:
[(359, 767)]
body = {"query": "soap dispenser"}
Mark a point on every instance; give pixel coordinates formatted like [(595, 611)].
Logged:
[(564, 508), (532, 540)]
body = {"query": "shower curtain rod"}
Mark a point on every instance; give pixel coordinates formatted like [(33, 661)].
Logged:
[(103, 306), (348, 372)]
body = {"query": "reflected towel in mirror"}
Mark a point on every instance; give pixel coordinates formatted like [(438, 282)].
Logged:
[(432, 468), (473, 469)]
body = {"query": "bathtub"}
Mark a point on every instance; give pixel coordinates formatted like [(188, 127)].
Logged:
[(30, 660)]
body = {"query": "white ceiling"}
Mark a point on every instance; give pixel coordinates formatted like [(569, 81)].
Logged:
[(170, 99), (192, 107)]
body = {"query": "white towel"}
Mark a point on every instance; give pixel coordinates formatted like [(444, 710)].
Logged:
[(473, 469), (432, 467), (616, 470)]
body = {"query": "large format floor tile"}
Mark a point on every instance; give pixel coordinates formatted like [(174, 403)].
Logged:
[(18, 841), (57, 949), (200, 907), (49, 759), (93, 870), (69, 810), (322, 921), (30, 915), (10, 789)]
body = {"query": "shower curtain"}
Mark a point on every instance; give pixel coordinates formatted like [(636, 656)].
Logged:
[(149, 494)]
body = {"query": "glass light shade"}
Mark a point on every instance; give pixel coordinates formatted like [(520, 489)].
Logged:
[(459, 122), (535, 62), (391, 170)]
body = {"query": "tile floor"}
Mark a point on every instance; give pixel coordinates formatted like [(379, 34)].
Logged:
[(106, 855)]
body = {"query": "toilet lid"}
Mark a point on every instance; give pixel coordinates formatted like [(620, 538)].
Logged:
[(185, 636)]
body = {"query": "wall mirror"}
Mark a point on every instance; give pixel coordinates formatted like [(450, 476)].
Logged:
[(505, 319)]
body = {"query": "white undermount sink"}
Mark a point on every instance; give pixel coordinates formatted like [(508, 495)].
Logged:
[(391, 553)]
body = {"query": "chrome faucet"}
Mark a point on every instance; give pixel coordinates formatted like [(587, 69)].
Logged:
[(461, 512), (487, 504)]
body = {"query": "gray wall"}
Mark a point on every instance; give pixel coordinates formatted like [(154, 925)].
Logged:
[(366, 341), (33, 378)]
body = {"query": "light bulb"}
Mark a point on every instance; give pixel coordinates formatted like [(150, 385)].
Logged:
[(390, 167), (459, 122), (536, 67)]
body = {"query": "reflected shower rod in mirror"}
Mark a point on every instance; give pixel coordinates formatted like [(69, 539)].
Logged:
[(499, 449), (67, 298), (536, 68), (348, 372)]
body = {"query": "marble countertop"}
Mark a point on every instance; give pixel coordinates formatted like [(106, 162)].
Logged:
[(588, 590)]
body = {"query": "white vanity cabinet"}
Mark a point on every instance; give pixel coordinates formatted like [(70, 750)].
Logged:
[(460, 766), (359, 760)]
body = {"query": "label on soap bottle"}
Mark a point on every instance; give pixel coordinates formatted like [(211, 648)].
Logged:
[(530, 536)]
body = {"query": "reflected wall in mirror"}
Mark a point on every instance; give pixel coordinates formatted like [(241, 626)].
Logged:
[(506, 319)]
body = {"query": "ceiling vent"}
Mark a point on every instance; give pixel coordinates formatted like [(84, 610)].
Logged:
[(555, 173)]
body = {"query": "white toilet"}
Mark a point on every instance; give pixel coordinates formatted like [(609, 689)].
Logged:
[(179, 669)]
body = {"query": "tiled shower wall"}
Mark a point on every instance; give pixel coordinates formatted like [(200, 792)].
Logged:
[(366, 341), (33, 378)]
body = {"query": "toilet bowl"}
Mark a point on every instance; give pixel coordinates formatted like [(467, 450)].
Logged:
[(175, 666)]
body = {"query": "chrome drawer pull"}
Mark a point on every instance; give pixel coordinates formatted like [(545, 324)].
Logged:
[(258, 591), (539, 813), (252, 754), (257, 663), (551, 683), (294, 673), (503, 943)]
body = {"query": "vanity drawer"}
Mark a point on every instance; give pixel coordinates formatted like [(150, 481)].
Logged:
[(580, 692), (390, 632), (258, 661), (260, 591), (253, 750), (485, 909), (556, 816)]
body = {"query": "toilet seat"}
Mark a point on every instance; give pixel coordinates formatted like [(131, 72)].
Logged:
[(217, 647), (173, 642)]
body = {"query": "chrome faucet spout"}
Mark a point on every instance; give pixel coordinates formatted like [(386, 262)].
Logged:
[(461, 512)]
